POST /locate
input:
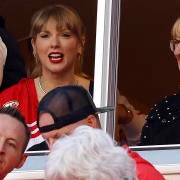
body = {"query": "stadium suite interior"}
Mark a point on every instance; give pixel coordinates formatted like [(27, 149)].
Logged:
[(147, 70)]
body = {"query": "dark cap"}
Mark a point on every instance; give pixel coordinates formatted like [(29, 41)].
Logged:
[(67, 105)]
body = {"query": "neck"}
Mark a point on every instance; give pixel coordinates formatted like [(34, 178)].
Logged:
[(47, 84)]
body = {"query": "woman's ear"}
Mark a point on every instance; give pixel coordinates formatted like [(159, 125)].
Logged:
[(92, 121), (81, 45), (34, 51), (22, 160)]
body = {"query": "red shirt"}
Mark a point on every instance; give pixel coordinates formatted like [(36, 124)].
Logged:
[(144, 169), (23, 96)]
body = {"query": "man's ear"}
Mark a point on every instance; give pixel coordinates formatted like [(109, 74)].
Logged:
[(22, 160), (92, 121)]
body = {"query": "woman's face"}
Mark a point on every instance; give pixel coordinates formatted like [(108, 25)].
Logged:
[(56, 49), (177, 51)]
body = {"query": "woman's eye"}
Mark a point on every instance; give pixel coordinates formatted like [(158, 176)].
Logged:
[(176, 42), (44, 35), (66, 35)]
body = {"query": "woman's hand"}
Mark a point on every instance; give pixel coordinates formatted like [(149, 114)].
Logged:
[(124, 114)]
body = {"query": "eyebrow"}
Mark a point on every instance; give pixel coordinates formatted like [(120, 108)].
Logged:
[(43, 31), (12, 139)]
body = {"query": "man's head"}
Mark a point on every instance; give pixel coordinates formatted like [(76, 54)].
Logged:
[(89, 153), (65, 108), (14, 136)]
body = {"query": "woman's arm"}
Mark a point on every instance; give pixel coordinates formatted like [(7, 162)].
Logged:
[(3, 55), (129, 119)]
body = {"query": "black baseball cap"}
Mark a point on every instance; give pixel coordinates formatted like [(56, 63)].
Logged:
[(67, 105)]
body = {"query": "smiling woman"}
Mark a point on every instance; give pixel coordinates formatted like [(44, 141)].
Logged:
[(162, 125)]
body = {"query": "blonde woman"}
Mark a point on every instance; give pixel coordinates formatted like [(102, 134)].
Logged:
[(163, 122)]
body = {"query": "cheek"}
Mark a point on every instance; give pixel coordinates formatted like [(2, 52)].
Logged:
[(177, 56), (72, 47), (13, 157), (41, 47), (41, 50), (177, 52)]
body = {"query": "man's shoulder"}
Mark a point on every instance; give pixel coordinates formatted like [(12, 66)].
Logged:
[(145, 170)]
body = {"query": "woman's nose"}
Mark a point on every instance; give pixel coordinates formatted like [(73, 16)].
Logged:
[(55, 42)]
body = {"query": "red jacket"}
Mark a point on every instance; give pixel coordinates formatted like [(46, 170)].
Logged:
[(144, 169)]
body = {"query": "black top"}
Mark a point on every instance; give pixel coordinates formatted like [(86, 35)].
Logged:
[(163, 123), (91, 87)]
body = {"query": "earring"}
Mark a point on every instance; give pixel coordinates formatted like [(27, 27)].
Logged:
[(35, 56)]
